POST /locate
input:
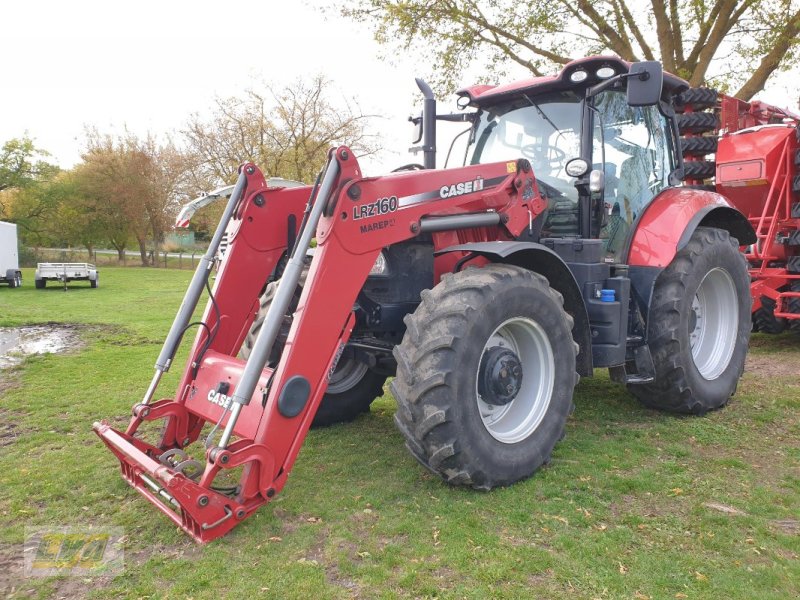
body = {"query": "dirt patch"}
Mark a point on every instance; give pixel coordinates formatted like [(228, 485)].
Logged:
[(787, 526), (8, 432), (771, 366), (11, 569), (333, 574), (723, 508), (49, 338)]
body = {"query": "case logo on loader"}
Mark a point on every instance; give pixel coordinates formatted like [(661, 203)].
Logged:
[(218, 398), (459, 189)]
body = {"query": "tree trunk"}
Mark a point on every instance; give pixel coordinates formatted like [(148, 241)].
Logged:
[(143, 251), (121, 254)]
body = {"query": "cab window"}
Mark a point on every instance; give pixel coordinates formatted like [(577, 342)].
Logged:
[(634, 144)]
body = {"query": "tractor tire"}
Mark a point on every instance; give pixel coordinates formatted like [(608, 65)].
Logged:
[(40, 284), (697, 122), (353, 385), (764, 319), (699, 169), (485, 376), (698, 145), (696, 99), (794, 307), (699, 326)]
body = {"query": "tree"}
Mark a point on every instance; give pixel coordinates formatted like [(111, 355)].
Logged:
[(22, 168), (727, 43), (134, 185), (287, 133), (22, 164)]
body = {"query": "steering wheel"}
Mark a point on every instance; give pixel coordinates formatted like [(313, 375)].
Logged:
[(544, 156)]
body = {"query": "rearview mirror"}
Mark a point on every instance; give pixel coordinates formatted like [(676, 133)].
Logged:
[(645, 80), (416, 135)]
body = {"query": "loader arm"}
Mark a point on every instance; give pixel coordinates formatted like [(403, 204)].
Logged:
[(264, 414)]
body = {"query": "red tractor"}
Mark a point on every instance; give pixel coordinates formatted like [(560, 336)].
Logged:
[(564, 244), (757, 167)]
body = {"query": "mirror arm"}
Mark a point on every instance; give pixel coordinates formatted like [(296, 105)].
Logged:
[(604, 85), (458, 118)]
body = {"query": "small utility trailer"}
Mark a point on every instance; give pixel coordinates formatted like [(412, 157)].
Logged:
[(9, 257), (66, 272)]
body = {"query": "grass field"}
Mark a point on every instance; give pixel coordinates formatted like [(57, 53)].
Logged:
[(635, 504)]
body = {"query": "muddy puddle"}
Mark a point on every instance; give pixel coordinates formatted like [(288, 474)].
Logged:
[(18, 342)]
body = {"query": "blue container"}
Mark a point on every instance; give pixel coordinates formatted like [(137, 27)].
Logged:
[(607, 296)]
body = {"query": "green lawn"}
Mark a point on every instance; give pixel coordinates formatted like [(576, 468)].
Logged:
[(635, 504)]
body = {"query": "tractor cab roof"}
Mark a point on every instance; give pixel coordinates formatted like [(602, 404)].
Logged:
[(576, 75)]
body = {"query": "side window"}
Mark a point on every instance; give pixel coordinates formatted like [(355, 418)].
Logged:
[(633, 142)]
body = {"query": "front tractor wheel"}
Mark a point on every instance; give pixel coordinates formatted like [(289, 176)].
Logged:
[(485, 376), (353, 385), (699, 326)]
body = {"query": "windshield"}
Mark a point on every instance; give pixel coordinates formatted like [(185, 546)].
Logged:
[(545, 129)]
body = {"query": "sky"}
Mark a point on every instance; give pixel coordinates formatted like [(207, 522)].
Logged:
[(148, 65)]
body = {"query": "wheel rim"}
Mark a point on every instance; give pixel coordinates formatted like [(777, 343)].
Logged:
[(346, 375), (713, 323), (513, 422)]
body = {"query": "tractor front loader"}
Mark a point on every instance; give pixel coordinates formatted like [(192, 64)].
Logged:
[(566, 244)]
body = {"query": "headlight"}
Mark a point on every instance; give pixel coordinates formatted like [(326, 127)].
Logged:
[(605, 72), (577, 167), (578, 76)]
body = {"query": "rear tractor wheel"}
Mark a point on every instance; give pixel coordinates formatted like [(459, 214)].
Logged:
[(353, 386), (699, 326), (485, 376)]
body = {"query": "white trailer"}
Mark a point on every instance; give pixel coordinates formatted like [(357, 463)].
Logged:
[(9, 255), (65, 272)]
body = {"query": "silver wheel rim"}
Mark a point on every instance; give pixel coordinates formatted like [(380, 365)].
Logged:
[(713, 323), (346, 375), (516, 421)]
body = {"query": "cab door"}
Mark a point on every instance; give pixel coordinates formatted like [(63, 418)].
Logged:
[(633, 146)]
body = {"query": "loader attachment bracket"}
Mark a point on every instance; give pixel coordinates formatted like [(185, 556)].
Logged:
[(197, 508)]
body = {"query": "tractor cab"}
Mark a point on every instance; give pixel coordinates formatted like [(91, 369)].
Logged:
[(600, 139)]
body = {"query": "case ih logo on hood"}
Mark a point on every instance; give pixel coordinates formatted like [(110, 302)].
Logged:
[(459, 189)]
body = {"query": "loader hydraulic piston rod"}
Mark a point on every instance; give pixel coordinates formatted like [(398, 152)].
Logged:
[(194, 291), (432, 224), (283, 296)]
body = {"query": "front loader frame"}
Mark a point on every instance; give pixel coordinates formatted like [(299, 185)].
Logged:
[(265, 413)]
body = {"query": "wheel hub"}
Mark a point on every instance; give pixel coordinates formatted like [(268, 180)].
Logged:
[(713, 323), (499, 376)]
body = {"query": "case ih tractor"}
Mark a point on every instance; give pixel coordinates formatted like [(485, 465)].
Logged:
[(757, 167), (566, 243)]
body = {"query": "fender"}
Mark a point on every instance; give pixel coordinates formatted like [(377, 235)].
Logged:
[(542, 260), (669, 221)]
